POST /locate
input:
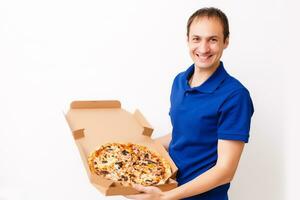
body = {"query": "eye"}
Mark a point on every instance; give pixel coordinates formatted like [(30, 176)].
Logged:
[(195, 39), (213, 40)]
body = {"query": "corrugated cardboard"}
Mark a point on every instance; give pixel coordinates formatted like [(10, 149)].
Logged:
[(94, 123)]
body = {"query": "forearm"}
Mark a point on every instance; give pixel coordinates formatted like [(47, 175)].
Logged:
[(210, 179), (229, 153), (164, 140)]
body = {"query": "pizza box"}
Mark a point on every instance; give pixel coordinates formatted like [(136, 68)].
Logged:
[(94, 123)]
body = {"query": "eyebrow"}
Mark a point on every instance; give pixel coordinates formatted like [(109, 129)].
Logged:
[(212, 36)]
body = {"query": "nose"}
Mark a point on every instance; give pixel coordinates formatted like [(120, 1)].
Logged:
[(203, 47)]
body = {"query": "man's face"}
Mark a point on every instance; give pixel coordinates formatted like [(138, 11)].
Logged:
[(206, 42)]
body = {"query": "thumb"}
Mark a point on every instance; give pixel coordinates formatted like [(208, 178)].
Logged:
[(140, 188), (149, 189)]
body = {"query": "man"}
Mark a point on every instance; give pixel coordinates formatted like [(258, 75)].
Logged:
[(210, 114)]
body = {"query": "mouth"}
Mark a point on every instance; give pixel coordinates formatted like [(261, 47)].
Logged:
[(203, 58)]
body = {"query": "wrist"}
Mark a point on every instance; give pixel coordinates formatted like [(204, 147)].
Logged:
[(168, 195)]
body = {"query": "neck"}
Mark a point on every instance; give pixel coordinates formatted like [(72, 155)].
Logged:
[(200, 75)]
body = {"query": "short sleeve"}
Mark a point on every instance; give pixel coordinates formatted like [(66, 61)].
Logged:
[(235, 116)]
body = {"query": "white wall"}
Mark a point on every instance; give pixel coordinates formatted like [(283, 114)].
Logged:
[(53, 52)]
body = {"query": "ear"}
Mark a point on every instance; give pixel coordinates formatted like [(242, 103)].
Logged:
[(226, 42)]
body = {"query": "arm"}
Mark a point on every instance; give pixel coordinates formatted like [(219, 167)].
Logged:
[(164, 140), (229, 153)]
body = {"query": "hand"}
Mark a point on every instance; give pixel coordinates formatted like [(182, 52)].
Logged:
[(149, 193)]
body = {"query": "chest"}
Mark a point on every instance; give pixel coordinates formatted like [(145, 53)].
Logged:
[(192, 111)]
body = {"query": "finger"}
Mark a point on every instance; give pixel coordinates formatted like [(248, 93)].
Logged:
[(141, 188), (148, 189)]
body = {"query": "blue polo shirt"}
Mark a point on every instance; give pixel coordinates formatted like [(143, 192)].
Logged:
[(220, 108)]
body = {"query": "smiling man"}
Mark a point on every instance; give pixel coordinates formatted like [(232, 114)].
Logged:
[(210, 113)]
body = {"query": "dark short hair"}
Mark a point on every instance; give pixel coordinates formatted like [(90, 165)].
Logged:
[(210, 12)]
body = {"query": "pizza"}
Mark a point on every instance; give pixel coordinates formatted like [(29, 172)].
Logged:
[(129, 164)]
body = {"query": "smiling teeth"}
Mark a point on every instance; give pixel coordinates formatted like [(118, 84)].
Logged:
[(203, 57)]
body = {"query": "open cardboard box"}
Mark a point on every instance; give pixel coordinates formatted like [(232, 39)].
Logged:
[(94, 123)]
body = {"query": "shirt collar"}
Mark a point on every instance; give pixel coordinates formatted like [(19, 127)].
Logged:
[(211, 84)]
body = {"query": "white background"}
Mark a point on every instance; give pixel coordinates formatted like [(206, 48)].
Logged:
[(53, 52)]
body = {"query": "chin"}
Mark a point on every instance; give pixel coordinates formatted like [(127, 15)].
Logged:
[(202, 65)]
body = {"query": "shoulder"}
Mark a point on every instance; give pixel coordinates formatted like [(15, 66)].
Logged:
[(179, 76), (178, 80), (237, 96), (233, 86)]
